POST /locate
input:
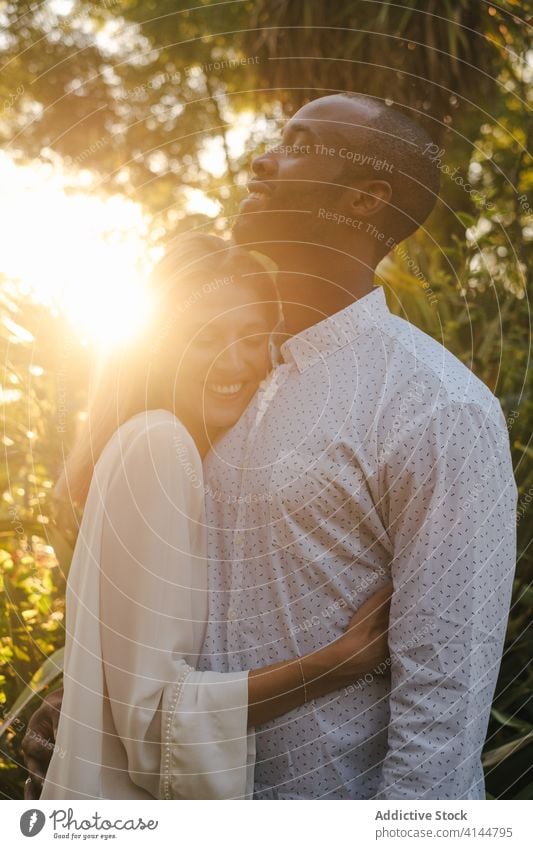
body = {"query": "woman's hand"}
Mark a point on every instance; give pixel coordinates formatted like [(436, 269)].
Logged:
[(38, 743), (364, 645)]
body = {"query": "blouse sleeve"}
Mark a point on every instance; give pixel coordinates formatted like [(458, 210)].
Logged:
[(150, 564)]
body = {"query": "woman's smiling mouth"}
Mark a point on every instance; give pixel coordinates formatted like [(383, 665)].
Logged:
[(225, 390)]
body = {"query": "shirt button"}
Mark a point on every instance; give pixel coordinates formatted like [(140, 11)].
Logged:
[(239, 538), (232, 615)]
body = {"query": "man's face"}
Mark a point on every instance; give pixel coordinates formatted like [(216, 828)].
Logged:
[(296, 180)]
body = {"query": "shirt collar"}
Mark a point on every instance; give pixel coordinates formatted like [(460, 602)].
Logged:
[(275, 343), (335, 332)]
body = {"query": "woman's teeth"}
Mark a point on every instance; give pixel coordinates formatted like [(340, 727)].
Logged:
[(225, 389)]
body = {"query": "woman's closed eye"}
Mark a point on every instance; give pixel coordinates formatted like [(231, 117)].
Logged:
[(206, 338)]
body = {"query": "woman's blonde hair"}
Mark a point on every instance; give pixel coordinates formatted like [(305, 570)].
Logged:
[(137, 378)]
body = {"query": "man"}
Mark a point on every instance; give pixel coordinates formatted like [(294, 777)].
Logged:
[(371, 453)]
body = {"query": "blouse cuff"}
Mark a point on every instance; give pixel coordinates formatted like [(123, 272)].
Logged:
[(208, 752)]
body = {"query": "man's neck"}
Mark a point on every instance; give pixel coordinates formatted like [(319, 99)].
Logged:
[(317, 283)]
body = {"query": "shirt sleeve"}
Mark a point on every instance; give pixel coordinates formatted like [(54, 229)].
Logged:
[(149, 576), (450, 501)]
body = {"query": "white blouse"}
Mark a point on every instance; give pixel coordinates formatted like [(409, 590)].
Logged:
[(137, 720)]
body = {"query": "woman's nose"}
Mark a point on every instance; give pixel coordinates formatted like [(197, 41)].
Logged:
[(229, 361)]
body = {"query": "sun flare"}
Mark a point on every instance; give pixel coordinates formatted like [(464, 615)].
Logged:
[(83, 255)]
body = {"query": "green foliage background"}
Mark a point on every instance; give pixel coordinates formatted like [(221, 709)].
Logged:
[(139, 114)]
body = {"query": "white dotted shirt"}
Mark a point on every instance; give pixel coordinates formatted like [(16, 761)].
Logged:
[(369, 454)]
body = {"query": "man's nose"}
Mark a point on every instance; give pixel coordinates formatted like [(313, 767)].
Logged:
[(265, 165)]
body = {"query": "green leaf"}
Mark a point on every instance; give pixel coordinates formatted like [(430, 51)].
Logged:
[(511, 721), (48, 672), (496, 756), (63, 550), (466, 219), (526, 793)]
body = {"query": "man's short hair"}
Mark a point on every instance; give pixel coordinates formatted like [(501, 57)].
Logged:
[(401, 144)]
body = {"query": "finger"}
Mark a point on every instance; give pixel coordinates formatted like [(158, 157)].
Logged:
[(377, 607), (32, 792), (36, 770)]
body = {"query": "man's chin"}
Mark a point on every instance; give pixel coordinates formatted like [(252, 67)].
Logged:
[(256, 233), (246, 232), (273, 232)]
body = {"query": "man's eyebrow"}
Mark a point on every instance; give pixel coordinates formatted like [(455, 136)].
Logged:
[(298, 127)]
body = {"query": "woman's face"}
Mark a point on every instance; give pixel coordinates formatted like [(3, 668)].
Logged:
[(224, 353)]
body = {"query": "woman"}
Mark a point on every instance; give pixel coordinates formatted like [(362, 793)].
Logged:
[(136, 596)]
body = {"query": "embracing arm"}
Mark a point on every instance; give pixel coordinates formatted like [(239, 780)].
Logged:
[(208, 752), (276, 689)]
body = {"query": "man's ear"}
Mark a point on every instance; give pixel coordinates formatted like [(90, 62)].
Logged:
[(369, 197)]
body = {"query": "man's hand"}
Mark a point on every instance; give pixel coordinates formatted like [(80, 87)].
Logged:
[(38, 743)]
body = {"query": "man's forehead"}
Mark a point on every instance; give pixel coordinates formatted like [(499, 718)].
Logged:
[(335, 113)]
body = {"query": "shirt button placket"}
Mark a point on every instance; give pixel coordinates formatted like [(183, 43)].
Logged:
[(237, 571), (238, 582)]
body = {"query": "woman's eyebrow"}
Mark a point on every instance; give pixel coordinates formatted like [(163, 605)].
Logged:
[(259, 326)]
